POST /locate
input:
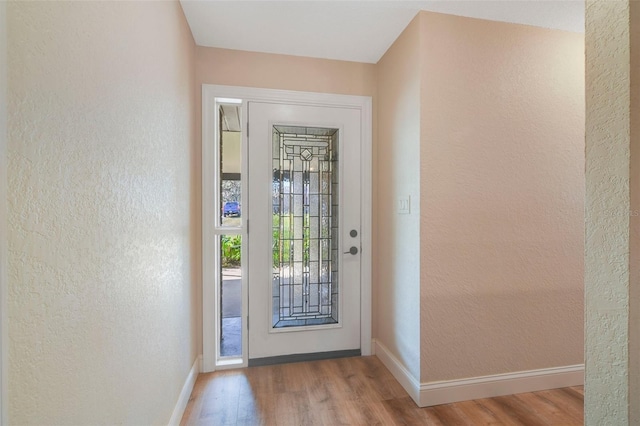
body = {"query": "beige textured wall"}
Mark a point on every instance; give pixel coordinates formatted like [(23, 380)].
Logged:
[(612, 239), (502, 184), (271, 71), (398, 263), (634, 220), (3, 214), (101, 138)]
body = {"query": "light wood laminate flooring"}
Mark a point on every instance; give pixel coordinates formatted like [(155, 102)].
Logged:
[(357, 391)]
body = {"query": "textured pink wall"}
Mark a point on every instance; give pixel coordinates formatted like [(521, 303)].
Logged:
[(502, 198), (397, 266), (265, 70), (102, 300)]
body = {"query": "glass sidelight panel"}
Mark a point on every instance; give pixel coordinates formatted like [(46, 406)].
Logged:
[(230, 296), (228, 231), (305, 226), (230, 176)]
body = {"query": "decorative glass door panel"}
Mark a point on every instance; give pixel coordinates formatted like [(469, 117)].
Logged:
[(304, 203), (305, 226)]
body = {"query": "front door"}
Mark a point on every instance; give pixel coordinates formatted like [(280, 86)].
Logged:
[(304, 230)]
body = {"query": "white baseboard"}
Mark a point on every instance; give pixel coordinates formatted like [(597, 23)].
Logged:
[(185, 394), (445, 392), (448, 391), (398, 370)]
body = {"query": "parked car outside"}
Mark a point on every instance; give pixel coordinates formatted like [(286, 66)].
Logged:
[(231, 208)]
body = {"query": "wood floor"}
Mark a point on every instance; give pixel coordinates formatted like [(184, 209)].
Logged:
[(357, 391)]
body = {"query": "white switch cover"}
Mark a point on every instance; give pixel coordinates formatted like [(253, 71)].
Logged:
[(404, 205)]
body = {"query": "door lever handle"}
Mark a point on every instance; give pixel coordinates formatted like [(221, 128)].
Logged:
[(352, 250)]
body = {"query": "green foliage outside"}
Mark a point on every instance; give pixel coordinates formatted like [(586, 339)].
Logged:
[(232, 244), (231, 250), (281, 223), (277, 222)]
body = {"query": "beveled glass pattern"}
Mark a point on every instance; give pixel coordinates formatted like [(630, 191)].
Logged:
[(305, 226)]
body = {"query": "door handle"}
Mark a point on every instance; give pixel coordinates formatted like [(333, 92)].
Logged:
[(352, 250)]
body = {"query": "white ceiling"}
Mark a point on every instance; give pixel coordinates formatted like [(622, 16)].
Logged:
[(358, 31)]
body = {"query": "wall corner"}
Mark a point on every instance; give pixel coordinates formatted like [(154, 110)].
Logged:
[(610, 299), (3, 214)]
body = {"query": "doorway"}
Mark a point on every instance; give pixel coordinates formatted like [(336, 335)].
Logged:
[(305, 269), (304, 195)]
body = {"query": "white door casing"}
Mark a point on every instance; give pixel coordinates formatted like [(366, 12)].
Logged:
[(265, 340), (211, 93)]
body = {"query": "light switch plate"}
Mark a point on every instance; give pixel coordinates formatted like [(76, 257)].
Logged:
[(404, 205)]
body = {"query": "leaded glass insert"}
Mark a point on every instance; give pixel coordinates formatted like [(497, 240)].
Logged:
[(305, 226)]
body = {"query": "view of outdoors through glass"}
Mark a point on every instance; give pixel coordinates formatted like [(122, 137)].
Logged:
[(230, 244), (230, 179), (305, 226)]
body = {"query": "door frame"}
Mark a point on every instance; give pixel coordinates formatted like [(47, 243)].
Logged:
[(209, 131)]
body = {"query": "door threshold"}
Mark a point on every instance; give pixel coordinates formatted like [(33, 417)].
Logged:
[(316, 356)]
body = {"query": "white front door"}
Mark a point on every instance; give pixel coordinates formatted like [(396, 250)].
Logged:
[(304, 229)]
